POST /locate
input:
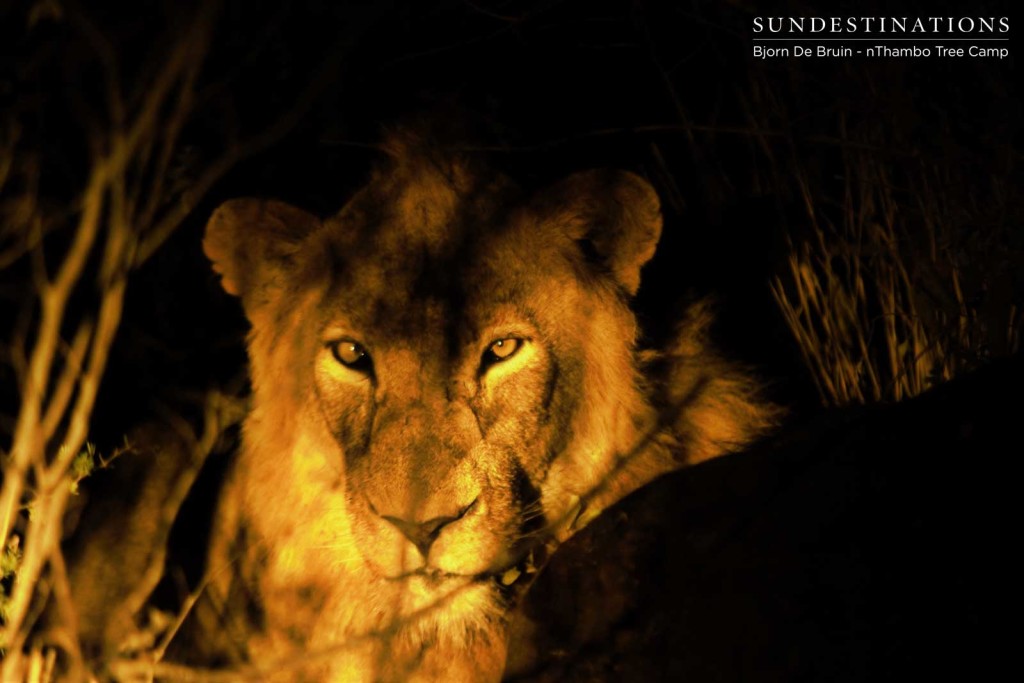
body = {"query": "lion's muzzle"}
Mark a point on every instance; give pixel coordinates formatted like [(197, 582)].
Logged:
[(423, 534)]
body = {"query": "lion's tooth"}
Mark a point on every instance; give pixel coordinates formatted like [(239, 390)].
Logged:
[(510, 576), (581, 516)]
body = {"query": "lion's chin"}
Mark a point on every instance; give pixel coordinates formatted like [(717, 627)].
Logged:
[(425, 592), (448, 606)]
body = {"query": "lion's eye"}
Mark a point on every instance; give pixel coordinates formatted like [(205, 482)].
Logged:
[(352, 355), (503, 349)]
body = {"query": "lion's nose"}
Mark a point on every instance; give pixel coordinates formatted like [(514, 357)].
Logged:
[(423, 534)]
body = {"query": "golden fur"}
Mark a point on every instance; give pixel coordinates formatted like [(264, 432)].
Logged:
[(384, 507)]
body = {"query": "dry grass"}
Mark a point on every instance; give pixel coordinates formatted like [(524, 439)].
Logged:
[(875, 298), (129, 200), (118, 218)]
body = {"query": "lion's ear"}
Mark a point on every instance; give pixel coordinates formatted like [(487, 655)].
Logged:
[(615, 216), (252, 242)]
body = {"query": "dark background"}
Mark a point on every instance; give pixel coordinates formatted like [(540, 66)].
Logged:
[(544, 88), (667, 89)]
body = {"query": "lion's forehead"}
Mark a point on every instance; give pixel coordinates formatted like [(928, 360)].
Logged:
[(416, 290)]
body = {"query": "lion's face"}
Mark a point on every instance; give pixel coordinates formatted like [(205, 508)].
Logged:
[(453, 363), (444, 391)]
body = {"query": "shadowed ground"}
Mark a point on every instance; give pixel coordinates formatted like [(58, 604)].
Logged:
[(872, 545)]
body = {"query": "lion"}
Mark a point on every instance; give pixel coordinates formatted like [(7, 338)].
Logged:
[(445, 385)]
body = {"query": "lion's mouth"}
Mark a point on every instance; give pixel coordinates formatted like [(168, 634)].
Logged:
[(509, 580), (517, 576)]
